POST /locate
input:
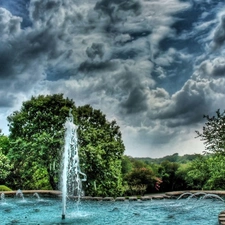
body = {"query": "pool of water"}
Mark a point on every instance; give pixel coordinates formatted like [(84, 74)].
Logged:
[(155, 212)]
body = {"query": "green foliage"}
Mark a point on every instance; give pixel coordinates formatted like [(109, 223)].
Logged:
[(5, 167), (216, 167), (167, 173), (213, 133), (181, 177), (4, 143), (198, 173), (139, 177), (171, 158), (139, 180), (126, 165), (4, 188), (101, 152), (37, 138), (207, 173)]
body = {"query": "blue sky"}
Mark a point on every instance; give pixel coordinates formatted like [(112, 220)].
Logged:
[(154, 66)]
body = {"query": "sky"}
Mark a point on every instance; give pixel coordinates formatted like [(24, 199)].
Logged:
[(154, 66)]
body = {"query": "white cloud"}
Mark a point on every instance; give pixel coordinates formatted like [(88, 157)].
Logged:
[(9, 25)]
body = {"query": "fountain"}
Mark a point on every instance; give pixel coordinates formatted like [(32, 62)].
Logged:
[(184, 194), (213, 196), (205, 195), (36, 195), (2, 197), (19, 194), (70, 181)]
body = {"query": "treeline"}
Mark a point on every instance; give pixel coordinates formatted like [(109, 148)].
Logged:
[(30, 155), (171, 158), (201, 172)]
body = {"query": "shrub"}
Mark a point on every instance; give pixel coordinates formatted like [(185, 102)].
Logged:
[(4, 188)]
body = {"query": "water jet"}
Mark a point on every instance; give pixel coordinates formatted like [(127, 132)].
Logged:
[(70, 180)]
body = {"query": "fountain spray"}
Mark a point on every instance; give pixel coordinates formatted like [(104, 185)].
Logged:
[(70, 180)]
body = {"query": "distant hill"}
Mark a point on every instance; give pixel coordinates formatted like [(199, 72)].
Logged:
[(171, 158)]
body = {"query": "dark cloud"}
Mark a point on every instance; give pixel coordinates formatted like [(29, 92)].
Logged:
[(6, 63), (115, 8), (136, 101), (219, 35), (186, 107), (96, 67), (219, 70), (7, 100), (44, 11), (212, 68), (97, 49)]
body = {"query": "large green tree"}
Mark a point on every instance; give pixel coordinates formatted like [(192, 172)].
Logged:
[(37, 138)]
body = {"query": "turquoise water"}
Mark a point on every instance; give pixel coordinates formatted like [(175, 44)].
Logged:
[(48, 212)]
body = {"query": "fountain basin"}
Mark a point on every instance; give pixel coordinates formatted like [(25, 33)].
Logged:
[(47, 211)]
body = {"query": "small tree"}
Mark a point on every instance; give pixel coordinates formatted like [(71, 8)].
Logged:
[(197, 173), (213, 133), (167, 171), (140, 180)]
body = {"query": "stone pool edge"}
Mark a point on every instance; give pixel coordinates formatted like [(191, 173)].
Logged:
[(165, 195)]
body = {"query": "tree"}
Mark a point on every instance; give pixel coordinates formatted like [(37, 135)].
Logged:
[(126, 165), (101, 151), (36, 137), (213, 133), (207, 172), (216, 168), (167, 172), (140, 180), (139, 176)]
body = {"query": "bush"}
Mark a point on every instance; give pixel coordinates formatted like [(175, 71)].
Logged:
[(4, 188)]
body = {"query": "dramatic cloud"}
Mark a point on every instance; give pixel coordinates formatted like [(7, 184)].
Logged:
[(219, 34), (154, 66)]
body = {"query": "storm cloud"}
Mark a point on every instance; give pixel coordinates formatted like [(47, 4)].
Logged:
[(154, 66)]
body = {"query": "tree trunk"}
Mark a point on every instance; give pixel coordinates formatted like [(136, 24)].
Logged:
[(52, 180)]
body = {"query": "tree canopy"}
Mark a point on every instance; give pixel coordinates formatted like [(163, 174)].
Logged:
[(101, 151), (36, 135), (37, 138)]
